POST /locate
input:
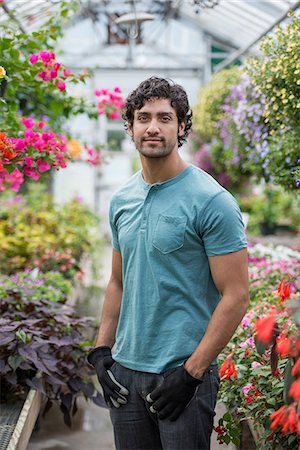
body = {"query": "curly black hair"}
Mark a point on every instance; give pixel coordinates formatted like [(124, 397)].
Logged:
[(155, 87)]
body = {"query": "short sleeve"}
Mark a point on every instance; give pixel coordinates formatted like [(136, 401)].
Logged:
[(114, 231), (221, 225)]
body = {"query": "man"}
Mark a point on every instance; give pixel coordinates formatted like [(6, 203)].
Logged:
[(178, 288)]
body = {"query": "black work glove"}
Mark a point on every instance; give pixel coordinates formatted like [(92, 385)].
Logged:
[(174, 394), (114, 393)]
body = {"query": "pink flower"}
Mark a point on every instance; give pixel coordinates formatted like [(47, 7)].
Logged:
[(117, 89), (29, 123), (53, 73), (33, 58), (67, 73), (61, 85), (246, 322), (41, 124), (43, 166), (247, 388), (20, 145), (56, 66), (114, 115), (16, 178), (98, 92), (47, 57), (28, 161), (255, 365), (44, 76), (29, 134), (32, 173)]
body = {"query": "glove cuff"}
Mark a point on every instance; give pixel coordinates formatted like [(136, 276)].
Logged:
[(192, 381), (98, 352)]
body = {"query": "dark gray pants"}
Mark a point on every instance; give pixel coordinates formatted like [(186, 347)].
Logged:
[(136, 428)]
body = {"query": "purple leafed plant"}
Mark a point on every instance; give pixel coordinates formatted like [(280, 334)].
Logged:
[(43, 345)]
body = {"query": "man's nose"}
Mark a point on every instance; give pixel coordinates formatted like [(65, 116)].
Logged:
[(153, 127)]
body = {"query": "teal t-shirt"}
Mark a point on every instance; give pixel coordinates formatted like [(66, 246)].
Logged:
[(165, 233)]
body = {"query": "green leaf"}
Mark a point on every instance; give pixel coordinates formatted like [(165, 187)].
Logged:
[(291, 439), (20, 334), (226, 439), (271, 401), (227, 417), (15, 361)]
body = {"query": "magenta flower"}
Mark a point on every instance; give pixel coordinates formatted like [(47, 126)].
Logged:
[(28, 161), (16, 178), (43, 166), (61, 85), (47, 57), (114, 115), (33, 58), (44, 76), (67, 73), (29, 123)]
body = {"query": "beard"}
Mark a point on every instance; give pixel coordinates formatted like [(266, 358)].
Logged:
[(159, 149)]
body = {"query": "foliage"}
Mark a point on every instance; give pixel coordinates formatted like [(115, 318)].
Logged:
[(42, 344), (50, 285), (277, 77), (208, 112), (54, 238), (257, 391), (272, 208)]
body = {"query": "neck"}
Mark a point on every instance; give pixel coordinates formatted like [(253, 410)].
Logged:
[(157, 170)]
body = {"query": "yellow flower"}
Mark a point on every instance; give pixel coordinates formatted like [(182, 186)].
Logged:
[(74, 147), (2, 72)]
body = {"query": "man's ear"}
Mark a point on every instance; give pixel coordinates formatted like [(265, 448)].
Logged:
[(130, 130), (181, 129)]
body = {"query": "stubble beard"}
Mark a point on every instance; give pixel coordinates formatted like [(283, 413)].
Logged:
[(160, 150)]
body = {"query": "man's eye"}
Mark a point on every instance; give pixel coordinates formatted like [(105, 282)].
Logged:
[(166, 119), (142, 118)]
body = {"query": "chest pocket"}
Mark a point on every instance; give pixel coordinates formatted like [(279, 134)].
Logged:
[(169, 233)]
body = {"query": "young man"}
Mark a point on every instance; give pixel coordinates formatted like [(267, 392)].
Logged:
[(178, 288)]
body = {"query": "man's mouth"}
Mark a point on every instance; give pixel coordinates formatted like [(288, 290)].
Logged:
[(152, 140)]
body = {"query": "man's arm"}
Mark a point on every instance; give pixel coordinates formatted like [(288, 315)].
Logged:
[(112, 304), (230, 275)]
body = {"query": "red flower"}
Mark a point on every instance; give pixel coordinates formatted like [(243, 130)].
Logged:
[(228, 370), (284, 290), (287, 417), (265, 328), (296, 368), (283, 345), (295, 389), (249, 399)]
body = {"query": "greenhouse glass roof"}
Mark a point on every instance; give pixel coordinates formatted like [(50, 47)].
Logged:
[(233, 26)]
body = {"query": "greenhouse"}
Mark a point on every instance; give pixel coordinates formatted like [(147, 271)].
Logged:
[(149, 224)]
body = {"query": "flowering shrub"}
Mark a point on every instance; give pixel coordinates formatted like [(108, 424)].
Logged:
[(30, 60), (204, 160), (42, 344), (110, 103), (49, 239), (37, 151), (208, 112), (250, 388)]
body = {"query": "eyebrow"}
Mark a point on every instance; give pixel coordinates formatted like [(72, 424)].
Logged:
[(162, 113)]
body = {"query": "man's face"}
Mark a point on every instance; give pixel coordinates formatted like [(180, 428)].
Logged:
[(155, 129)]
